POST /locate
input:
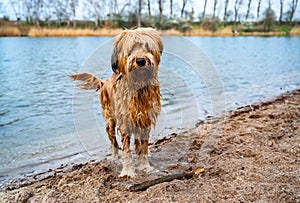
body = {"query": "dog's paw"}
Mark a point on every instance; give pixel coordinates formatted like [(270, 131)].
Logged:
[(128, 169), (146, 167), (113, 158), (128, 172), (144, 164), (114, 152)]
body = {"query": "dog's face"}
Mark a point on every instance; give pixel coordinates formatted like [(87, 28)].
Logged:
[(137, 53)]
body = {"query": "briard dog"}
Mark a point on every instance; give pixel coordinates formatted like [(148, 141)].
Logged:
[(130, 97)]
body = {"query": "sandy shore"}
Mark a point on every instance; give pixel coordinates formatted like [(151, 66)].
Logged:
[(251, 154)]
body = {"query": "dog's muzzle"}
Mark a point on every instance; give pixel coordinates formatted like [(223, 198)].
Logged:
[(142, 74)]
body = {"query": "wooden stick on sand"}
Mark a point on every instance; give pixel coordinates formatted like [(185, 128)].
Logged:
[(168, 178)]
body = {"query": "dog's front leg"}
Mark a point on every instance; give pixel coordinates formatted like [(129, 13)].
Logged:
[(128, 168), (141, 149)]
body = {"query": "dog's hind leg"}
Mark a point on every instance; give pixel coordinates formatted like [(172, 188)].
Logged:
[(110, 129), (128, 168)]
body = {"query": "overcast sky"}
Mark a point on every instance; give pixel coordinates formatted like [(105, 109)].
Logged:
[(197, 5)]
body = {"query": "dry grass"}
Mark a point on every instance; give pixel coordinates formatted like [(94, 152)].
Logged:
[(295, 31), (224, 32), (272, 33), (171, 32), (228, 32), (197, 32), (12, 30), (202, 32), (9, 31), (70, 32)]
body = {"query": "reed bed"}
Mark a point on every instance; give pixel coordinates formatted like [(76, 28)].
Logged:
[(197, 32), (9, 31), (295, 31), (263, 34), (171, 32), (203, 32), (70, 32)]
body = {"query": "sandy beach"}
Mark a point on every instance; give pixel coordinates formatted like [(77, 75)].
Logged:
[(251, 154)]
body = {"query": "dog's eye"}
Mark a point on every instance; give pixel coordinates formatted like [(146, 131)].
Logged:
[(147, 46), (130, 52)]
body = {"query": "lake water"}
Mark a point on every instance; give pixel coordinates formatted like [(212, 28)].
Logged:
[(44, 118)]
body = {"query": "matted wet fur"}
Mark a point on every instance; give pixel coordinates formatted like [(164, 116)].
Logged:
[(130, 97)]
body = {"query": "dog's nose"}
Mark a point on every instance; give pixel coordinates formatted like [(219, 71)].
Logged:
[(141, 61)]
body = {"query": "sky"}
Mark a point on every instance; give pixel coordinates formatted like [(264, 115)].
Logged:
[(197, 5)]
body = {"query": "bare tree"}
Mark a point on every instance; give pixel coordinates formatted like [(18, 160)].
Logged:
[(94, 8), (113, 7), (230, 15), (73, 5), (280, 11), (69, 11), (59, 11), (258, 8), (65, 11), (17, 8), (214, 9), (125, 5), (28, 7), (183, 7), (139, 16), (48, 11), (237, 6), (204, 10), (149, 9), (37, 5), (291, 11), (171, 8), (225, 11), (160, 8), (248, 10)]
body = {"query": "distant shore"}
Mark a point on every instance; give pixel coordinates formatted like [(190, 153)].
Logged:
[(248, 155), (31, 31)]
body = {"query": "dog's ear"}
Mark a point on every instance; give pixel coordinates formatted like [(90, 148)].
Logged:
[(160, 44), (114, 57), (114, 63)]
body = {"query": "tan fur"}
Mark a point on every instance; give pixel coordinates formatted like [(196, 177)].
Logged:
[(130, 97)]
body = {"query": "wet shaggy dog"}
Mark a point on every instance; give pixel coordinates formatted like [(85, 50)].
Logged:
[(130, 97)]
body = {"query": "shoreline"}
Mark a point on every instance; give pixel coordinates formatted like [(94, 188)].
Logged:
[(25, 31), (248, 154)]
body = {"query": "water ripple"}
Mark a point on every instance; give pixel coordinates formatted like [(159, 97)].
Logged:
[(10, 122)]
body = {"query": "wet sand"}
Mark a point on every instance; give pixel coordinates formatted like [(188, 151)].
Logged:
[(250, 154)]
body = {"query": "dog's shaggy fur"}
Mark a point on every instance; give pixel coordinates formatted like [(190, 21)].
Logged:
[(130, 97)]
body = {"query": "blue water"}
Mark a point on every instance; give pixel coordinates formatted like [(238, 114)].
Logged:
[(37, 129)]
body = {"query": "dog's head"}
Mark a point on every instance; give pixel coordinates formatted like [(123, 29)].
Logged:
[(138, 52)]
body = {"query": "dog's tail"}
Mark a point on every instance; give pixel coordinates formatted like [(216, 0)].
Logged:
[(89, 81)]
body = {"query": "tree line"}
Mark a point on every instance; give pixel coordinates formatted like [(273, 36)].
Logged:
[(159, 13)]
